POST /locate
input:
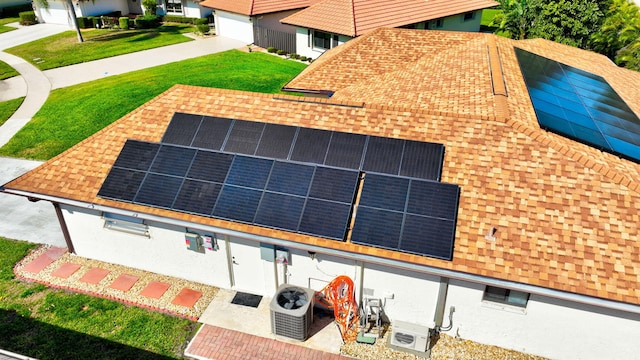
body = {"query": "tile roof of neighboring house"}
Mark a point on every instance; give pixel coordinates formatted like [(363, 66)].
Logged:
[(256, 7), (357, 17), (566, 214)]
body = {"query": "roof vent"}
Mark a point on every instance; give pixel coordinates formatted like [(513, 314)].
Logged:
[(491, 234)]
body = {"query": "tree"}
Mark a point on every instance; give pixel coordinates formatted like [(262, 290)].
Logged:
[(619, 36), (515, 18), (567, 22), (70, 9)]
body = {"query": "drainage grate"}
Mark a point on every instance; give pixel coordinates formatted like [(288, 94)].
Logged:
[(246, 299)]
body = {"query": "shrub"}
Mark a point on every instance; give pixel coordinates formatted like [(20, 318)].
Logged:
[(91, 22), (109, 22), (303, 58), (294, 56), (150, 7), (147, 22), (271, 49), (203, 28), (82, 22), (281, 52), (202, 21), (124, 23), (180, 19), (28, 18)]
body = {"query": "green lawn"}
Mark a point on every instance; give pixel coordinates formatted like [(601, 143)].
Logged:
[(64, 49), (7, 71), (74, 113), (487, 16), (45, 323), (7, 108), (5, 21)]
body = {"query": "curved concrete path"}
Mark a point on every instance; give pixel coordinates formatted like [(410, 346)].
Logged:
[(20, 219)]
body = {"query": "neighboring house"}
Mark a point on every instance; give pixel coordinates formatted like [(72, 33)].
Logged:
[(57, 13), (330, 23), (426, 177), (257, 21)]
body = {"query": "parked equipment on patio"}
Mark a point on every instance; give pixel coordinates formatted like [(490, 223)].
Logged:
[(292, 312)]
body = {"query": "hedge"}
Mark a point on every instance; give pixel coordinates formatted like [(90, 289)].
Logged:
[(147, 21), (181, 19), (124, 23), (28, 18)]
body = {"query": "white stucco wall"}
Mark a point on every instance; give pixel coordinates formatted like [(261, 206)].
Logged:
[(234, 26), (57, 13), (304, 45), (164, 252), (547, 327)]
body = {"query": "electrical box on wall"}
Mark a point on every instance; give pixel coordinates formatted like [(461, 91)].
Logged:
[(194, 242), (282, 256), (267, 252)]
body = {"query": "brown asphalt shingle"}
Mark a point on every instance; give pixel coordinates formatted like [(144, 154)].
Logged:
[(566, 214)]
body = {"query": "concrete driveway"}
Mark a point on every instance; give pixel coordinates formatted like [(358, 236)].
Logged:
[(21, 219)]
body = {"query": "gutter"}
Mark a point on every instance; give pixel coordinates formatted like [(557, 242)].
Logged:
[(451, 274)]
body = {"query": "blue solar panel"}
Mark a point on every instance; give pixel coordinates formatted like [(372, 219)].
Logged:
[(236, 203), (580, 105), (197, 197), (280, 211), (158, 190), (325, 218), (334, 184), (290, 178), (384, 192), (173, 160), (250, 172)]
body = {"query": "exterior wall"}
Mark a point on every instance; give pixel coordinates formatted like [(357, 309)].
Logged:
[(193, 10), (234, 26), (457, 23), (55, 14), (57, 11), (164, 252), (304, 45), (547, 327)]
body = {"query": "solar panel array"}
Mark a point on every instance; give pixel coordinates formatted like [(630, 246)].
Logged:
[(580, 105), (330, 148), (409, 215), (297, 197), (295, 179)]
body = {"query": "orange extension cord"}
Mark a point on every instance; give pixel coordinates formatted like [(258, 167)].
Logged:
[(338, 294)]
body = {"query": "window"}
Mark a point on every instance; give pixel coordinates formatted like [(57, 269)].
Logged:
[(469, 15), (506, 296), (324, 40), (436, 24), (126, 224), (174, 6)]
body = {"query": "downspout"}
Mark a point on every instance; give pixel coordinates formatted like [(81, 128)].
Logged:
[(63, 227)]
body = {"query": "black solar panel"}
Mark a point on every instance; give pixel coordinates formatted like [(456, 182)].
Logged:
[(236, 203), (384, 192), (383, 155), (210, 166), (182, 129), (280, 211), (424, 235), (212, 133), (276, 141), (345, 150), (158, 190), (136, 155), (311, 146), (173, 160), (334, 184), (422, 160), (376, 227), (325, 218), (121, 184), (433, 199), (580, 105), (250, 172), (197, 197), (290, 178), (244, 137)]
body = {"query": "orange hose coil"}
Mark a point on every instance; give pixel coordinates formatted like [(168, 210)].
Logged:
[(339, 295)]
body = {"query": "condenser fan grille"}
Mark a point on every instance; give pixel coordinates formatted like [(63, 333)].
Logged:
[(292, 299)]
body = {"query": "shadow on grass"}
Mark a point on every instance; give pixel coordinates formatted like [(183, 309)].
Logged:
[(26, 336), (142, 34)]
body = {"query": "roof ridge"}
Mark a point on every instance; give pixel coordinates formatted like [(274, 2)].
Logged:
[(577, 155), (498, 81)]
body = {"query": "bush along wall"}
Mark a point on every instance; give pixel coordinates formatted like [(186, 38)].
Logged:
[(124, 23), (28, 18), (147, 21)]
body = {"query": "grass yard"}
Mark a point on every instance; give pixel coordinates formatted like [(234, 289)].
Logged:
[(487, 16), (7, 71), (7, 108), (74, 113), (45, 323), (4, 21), (64, 49)]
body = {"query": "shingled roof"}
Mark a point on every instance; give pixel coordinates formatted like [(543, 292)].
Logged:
[(356, 17), (565, 213), (256, 7)]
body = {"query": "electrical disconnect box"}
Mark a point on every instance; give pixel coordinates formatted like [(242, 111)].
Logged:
[(194, 242)]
